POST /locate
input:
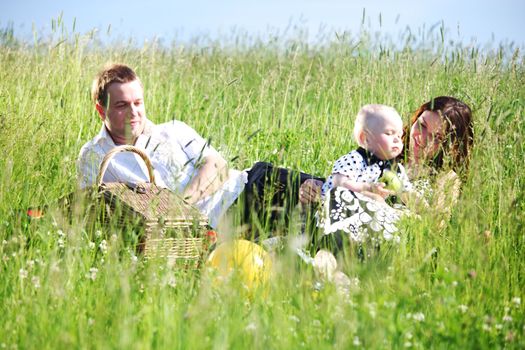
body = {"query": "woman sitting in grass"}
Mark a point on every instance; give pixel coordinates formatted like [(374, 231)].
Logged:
[(437, 146)]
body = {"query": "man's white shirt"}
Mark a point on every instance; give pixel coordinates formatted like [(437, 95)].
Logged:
[(174, 149)]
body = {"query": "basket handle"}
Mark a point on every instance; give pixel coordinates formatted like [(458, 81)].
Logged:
[(124, 148)]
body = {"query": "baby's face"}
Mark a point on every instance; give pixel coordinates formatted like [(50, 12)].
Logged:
[(383, 137)]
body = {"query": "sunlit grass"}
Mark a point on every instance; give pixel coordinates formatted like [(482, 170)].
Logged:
[(292, 104)]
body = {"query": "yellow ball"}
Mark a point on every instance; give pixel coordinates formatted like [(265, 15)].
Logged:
[(244, 259)]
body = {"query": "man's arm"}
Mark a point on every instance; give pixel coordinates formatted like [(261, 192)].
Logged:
[(211, 175), (88, 162)]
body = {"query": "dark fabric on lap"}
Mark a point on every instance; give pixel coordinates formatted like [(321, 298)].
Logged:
[(271, 193)]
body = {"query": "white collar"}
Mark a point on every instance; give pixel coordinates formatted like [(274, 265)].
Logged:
[(104, 136)]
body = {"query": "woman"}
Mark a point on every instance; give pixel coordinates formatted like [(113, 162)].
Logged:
[(437, 147)]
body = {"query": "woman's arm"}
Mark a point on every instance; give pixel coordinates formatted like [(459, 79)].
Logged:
[(446, 195)]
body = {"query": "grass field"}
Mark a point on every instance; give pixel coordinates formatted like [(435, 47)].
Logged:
[(67, 286)]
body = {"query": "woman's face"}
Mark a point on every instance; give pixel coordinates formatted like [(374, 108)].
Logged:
[(426, 136)]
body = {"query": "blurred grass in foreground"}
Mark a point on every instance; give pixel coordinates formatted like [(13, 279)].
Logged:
[(279, 100)]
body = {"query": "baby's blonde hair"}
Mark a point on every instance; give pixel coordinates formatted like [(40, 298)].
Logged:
[(370, 114)]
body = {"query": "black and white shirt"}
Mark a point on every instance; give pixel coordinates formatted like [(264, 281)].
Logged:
[(364, 167)]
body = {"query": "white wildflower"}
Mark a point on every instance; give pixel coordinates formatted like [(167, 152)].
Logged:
[(407, 344), (172, 282), (507, 318), (390, 304), (463, 308), (454, 283), (103, 246), (30, 263), (486, 327), (356, 341), (22, 273), (98, 233), (90, 321), (114, 238), (408, 335), (92, 274), (516, 301), (61, 243), (499, 326), (294, 318), (419, 316), (36, 282), (250, 327), (91, 245), (60, 233)]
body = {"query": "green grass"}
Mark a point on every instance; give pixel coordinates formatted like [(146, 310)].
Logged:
[(60, 291)]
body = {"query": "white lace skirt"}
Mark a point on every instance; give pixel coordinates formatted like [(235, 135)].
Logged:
[(360, 217)]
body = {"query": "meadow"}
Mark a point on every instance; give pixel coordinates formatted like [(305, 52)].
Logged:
[(285, 101)]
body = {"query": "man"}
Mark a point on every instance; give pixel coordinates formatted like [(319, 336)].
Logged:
[(182, 160)]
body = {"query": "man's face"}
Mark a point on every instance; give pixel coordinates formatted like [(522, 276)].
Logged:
[(125, 116)]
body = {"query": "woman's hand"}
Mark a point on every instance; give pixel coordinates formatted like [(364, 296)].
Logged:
[(310, 191)]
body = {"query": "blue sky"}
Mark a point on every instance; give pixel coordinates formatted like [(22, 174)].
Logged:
[(466, 20)]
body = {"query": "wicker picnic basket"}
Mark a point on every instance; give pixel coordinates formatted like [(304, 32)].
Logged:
[(168, 226)]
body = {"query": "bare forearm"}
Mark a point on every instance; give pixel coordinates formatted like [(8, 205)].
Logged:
[(377, 189), (343, 181), (210, 177)]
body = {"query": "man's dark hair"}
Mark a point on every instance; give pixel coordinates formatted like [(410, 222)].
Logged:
[(114, 73)]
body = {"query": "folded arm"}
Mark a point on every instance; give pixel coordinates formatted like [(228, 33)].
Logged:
[(211, 175)]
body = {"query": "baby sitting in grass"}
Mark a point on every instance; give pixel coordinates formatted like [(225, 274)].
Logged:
[(354, 194), (378, 131)]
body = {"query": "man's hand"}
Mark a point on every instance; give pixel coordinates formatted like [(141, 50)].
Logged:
[(310, 191), (211, 175)]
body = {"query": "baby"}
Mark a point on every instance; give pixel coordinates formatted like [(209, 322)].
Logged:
[(378, 130)]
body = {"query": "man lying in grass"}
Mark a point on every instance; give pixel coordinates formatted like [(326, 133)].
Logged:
[(183, 161)]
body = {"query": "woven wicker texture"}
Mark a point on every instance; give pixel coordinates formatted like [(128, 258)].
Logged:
[(172, 228)]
